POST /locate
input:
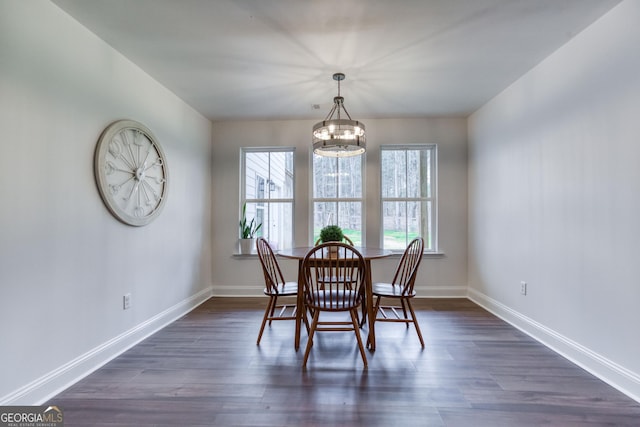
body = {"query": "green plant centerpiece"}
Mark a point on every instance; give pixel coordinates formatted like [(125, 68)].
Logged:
[(247, 232), (331, 233)]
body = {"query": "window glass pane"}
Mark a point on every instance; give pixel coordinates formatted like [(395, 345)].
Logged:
[(350, 177), (256, 171), (276, 220), (414, 220), (394, 223), (350, 220), (277, 227), (386, 173), (324, 213), (394, 173), (255, 213), (325, 177), (259, 186), (427, 226), (426, 171), (414, 172), (348, 215), (281, 176)]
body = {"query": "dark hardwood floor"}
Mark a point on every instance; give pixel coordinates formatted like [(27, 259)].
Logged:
[(206, 370)]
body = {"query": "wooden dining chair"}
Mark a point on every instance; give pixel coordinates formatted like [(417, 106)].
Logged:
[(334, 278), (345, 239), (401, 288), (275, 287)]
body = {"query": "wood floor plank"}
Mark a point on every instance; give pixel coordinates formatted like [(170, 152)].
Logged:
[(206, 370)]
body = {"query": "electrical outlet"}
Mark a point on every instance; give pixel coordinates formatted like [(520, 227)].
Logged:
[(126, 301), (523, 288)]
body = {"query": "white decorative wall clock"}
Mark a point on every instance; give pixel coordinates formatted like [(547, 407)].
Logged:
[(131, 172)]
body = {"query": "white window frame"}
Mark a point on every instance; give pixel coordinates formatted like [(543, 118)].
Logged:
[(313, 200), (433, 248), (267, 199)]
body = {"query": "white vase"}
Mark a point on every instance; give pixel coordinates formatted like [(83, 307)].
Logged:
[(247, 245)]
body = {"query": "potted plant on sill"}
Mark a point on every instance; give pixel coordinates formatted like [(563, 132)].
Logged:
[(247, 232)]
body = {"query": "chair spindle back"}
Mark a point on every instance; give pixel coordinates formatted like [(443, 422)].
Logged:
[(334, 277), (272, 274), (407, 270)]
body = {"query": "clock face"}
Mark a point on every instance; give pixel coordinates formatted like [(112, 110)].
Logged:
[(131, 172)]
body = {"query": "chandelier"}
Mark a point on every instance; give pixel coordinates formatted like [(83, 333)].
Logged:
[(339, 137)]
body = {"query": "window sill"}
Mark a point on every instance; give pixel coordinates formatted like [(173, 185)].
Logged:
[(436, 254)]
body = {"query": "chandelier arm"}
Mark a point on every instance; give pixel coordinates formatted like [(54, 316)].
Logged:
[(346, 112), (331, 112)]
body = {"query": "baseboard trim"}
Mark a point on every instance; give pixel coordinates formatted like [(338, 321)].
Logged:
[(44, 388), (608, 371), (237, 291), (441, 291)]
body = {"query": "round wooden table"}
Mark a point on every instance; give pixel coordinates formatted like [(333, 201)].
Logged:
[(368, 254)]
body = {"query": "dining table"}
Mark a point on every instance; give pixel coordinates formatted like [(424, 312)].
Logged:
[(368, 254)]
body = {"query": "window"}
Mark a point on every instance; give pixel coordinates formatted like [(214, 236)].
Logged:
[(267, 188), (408, 195), (337, 195)]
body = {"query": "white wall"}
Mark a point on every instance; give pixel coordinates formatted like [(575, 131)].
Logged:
[(65, 262), (553, 195), (443, 275), (554, 187)]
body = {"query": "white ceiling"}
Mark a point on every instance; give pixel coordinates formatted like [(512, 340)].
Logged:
[(273, 59)]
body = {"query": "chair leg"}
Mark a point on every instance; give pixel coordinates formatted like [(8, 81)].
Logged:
[(273, 309), (305, 319), (314, 325), (363, 321), (404, 309), (376, 307), (415, 322), (268, 310), (356, 330)]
